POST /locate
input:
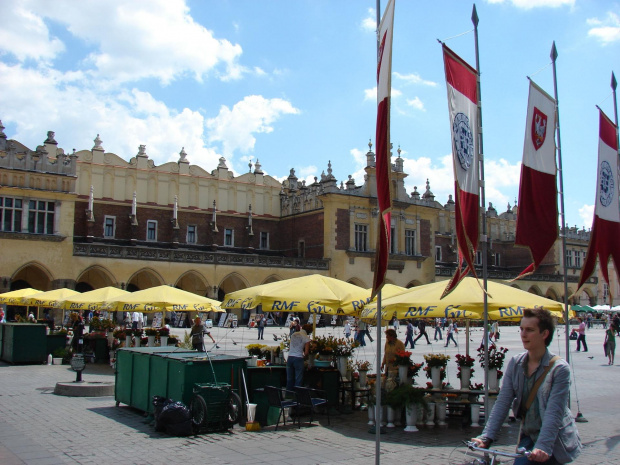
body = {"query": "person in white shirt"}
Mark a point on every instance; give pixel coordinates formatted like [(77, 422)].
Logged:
[(299, 348), (135, 319)]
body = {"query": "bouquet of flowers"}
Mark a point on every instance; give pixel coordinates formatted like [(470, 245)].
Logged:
[(496, 357), (255, 349), (164, 332), (464, 361), (436, 361), (414, 369), (150, 331), (402, 357), (363, 365)]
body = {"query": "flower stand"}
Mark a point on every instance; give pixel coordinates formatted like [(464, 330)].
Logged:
[(391, 417), (342, 366), (440, 413), (163, 341), (403, 371), (371, 414), (436, 377), (475, 415), (151, 341), (127, 341), (383, 415), (430, 414), (411, 414), (465, 378)]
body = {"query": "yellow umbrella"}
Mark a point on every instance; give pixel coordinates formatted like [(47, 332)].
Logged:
[(313, 293), (15, 297), (92, 300), (162, 298), (388, 290), (51, 299), (466, 301)]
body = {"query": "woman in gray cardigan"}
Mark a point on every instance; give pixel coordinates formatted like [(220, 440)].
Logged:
[(548, 427)]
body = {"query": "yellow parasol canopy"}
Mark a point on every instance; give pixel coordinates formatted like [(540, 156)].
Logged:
[(15, 297), (162, 298), (53, 299), (313, 293), (93, 300), (466, 301)]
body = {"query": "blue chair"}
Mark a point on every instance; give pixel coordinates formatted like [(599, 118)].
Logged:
[(282, 399)]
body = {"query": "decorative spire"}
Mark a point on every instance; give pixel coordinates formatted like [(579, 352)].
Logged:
[(257, 168), (182, 155), (222, 163), (370, 145), (398, 150), (250, 166), (415, 194), (2, 134), (98, 143)]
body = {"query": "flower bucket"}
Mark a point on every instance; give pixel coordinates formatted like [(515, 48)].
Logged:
[(391, 417), (465, 378), (436, 377), (430, 414), (440, 413), (151, 341), (493, 382), (475, 415), (164, 341), (363, 378), (127, 341), (403, 372), (342, 366), (371, 415)]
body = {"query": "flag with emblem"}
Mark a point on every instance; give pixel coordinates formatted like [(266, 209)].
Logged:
[(537, 221), (605, 232), (383, 163), (462, 84)]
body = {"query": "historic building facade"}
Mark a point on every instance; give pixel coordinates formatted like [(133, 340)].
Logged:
[(92, 219)]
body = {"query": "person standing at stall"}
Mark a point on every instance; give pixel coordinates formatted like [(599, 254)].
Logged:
[(298, 349), (392, 345)]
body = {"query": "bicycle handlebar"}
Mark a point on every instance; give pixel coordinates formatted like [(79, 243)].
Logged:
[(521, 451)]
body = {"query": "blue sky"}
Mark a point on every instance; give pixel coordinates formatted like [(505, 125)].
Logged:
[(293, 83)]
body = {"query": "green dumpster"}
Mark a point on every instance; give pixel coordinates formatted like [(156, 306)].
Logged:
[(142, 373), (56, 341), (24, 343)]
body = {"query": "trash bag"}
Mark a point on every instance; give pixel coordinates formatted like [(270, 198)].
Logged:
[(175, 419), (159, 403)]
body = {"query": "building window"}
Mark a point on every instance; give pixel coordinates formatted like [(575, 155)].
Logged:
[(577, 259), (569, 258), (264, 240), (109, 226), (10, 214), (229, 237), (361, 237), (301, 249), (393, 239), (409, 241), (438, 257), (191, 234), (40, 217), (497, 259), (151, 230), (478, 258)]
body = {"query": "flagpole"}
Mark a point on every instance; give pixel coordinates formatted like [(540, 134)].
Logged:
[(614, 84), (378, 408), (554, 56), (483, 236)]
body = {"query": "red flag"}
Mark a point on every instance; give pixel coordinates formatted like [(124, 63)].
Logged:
[(383, 163), (606, 223), (461, 80), (537, 222)]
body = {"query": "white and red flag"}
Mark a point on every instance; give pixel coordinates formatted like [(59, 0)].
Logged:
[(383, 162), (605, 233), (537, 221), (461, 80)]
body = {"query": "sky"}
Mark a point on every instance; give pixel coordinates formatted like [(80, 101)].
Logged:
[(293, 83)]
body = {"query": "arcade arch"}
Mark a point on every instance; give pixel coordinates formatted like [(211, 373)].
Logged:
[(144, 279), (94, 277), (193, 281), (32, 275)]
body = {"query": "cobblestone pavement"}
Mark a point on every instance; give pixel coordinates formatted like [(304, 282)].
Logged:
[(38, 427)]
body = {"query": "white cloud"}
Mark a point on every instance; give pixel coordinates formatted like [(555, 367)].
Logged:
[(529, 4), (414, 78), (416, 103), (369, 23), (235, 128), (25, 35), (607, 30), (131, 40), (586, 213)]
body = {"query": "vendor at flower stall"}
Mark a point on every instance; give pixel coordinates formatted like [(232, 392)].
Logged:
[(392, 345)]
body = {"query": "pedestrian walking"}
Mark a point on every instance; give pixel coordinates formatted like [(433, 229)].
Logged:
[(610, 344), (581, 338), (347, 329), (438, 325), (261, 326), (536, 385), (409, 335), (452, 330), (422, 329), (396, 324)]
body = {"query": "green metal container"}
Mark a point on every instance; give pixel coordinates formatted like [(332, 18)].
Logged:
[(142, 373), (24, 343), (56, 341)]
